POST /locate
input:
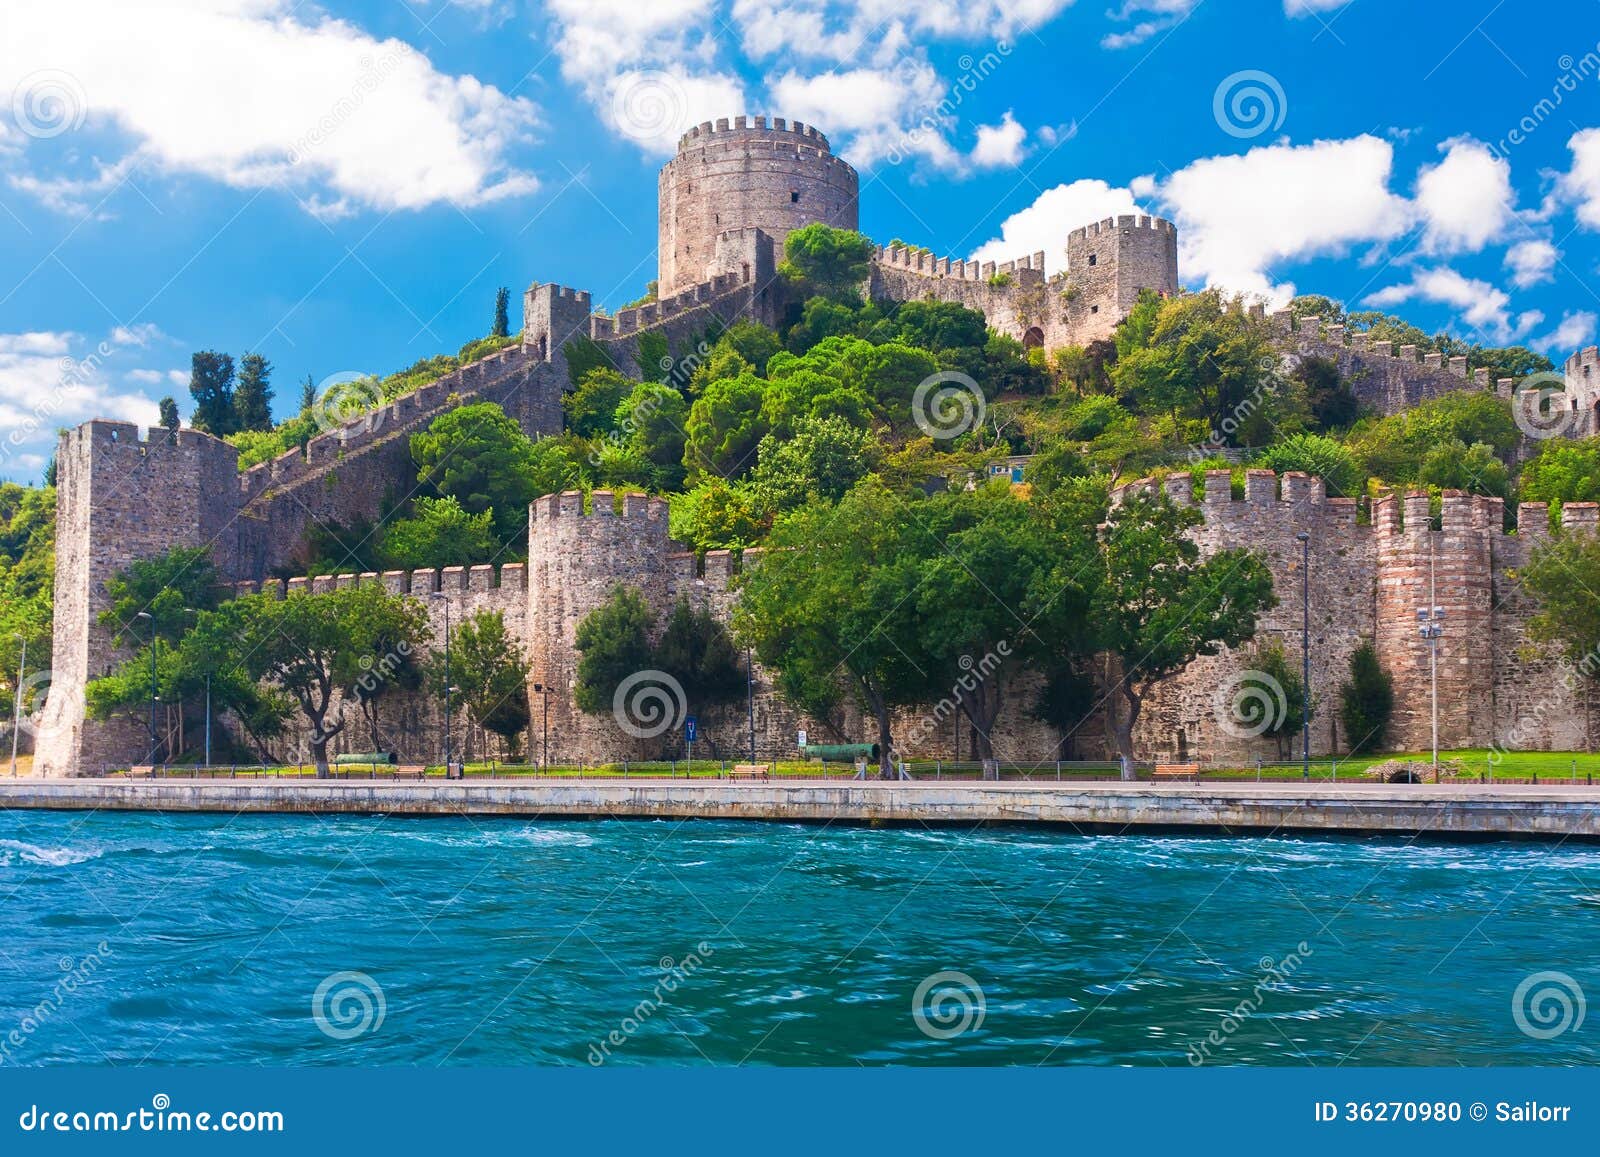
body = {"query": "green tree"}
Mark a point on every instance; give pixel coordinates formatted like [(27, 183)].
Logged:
[(718, 515), (1283, 700), (1454, 465), (169, 414), (697, 651), (591, 409), (725, 427), (438, 533), (502, 313), (211, 387), (1366, 701), (1563, 471), (252, 400), (169, 587), (1157, 606), (308, 394), (1333, 404), (822, 459), (1316, 305), (827, 261), (310, 647), (940, 325), (386, 637), (490, 675), (585, 355), (614, 641), (832, 609), (1318, 455), (481, 458), (652, 418)]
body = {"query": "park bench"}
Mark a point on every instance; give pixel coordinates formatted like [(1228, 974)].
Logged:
[(144, 770), (409, 771), (1175, 771), (749, 771)]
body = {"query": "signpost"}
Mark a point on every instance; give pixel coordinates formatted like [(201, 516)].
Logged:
[(690, 725)]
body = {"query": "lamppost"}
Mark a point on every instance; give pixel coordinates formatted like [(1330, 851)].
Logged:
[(543, 693), (750, 698), (16, 706), (196, 613), (447, 760), (1430, 620), (1305, 654), (153, 696)]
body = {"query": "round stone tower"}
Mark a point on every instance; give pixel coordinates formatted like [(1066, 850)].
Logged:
[(750, 174)]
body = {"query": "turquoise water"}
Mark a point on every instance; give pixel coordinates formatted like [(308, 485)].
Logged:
[(204, 939)]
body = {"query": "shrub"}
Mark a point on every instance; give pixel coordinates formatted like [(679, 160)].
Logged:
[(1366, 701)]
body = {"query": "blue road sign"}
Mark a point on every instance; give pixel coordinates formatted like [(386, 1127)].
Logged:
[(689, 728)]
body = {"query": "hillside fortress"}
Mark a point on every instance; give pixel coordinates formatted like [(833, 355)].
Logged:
[(728, 199)]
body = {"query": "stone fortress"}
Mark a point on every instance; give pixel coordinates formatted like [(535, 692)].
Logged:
[(728, 198)]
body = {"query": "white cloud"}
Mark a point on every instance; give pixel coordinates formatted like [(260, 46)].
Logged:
[(1465, 201), (1153, 17), (1000, 146), (878, 31), (1576, 330), (1240, 216), (259, 92), (54, 380), (1582, 183), (1479, 304), (1306, 7), (1531, 262), (887, 114), (146, 377), (1044, 225)]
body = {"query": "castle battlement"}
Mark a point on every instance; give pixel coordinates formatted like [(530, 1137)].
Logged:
[(554, 510), (1124, 222), (480, 579), (922, 261), (702, 133)]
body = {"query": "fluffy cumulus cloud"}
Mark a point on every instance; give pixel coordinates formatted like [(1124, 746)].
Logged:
[(1239, 217), (1307, 7), (1000, 146), (61, 379), (1478, 304), (1465, 201), (315, 104), (1581, 185), (1577, 329), (1532, 261), (1044, 225)]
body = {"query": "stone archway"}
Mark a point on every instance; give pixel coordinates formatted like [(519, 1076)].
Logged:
[(1033, 338)]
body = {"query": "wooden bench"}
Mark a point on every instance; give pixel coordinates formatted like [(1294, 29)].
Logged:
[(750, 771), (409, 771), (1175, 771), (144, 770)]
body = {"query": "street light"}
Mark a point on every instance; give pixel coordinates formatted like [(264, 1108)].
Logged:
[(151, 618), (16, 706), (543, 693), (1305, 654), (750, 696), (196, 613), (447, 759), (1431, 628)]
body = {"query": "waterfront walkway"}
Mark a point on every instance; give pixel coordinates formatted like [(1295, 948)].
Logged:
[(1553, 811)]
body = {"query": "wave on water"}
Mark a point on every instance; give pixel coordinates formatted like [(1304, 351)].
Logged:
[(53, 857)]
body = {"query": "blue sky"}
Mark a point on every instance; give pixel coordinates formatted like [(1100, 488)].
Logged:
[(342, 187)]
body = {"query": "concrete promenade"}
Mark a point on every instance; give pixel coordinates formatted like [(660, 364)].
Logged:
[(1465, 811)]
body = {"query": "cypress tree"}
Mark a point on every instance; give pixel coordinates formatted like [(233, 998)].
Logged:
[(1366, 701), (502, 320), (252, 401), (169, 413), (211, 387)]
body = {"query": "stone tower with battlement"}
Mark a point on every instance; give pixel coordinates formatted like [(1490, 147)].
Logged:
[(1109, 264), (1582, 376), (121, 497), (750, 173)]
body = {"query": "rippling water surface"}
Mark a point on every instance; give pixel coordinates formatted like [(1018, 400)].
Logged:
[(298, 940)]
